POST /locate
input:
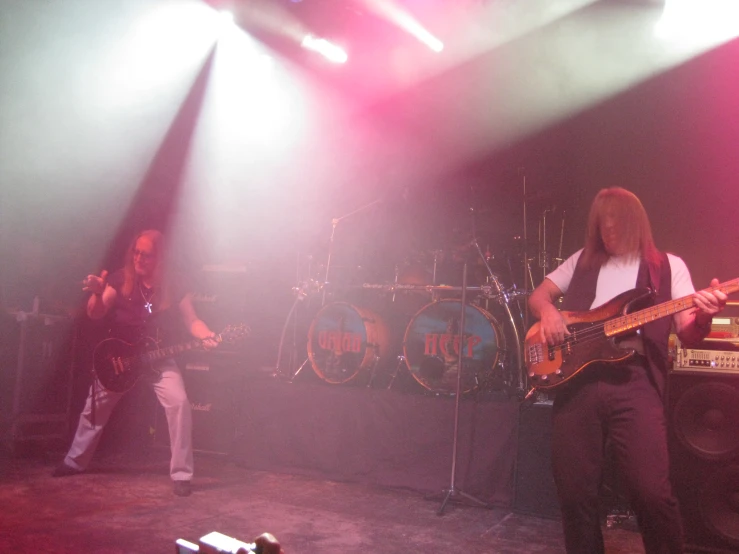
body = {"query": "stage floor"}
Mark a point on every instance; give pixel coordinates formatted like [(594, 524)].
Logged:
[(125, 504)]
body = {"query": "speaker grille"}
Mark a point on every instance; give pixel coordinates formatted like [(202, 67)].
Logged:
[(705, 420), (719, 502)]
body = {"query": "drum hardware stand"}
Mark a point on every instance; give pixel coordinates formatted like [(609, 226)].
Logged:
[(505, 299), (401, 361), (453, 491), (373, 372), (503, 296), (297, 371), (559, 259), (526, 267), (334, 223), (545, 260), (302, 291)]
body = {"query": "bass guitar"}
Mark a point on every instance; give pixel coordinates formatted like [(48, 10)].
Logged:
[(594, 335), (118, 364)]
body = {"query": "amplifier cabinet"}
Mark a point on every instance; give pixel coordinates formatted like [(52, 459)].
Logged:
[(214, 391), (36, 352), (703, 410)]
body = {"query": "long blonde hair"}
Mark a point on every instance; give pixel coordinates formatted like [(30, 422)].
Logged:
[(634, 228), (159, 280)]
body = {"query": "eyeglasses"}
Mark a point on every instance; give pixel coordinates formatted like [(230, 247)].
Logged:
[(143, 255)]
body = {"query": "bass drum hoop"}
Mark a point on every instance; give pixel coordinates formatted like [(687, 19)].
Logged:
[(500, 345), (375, 342)]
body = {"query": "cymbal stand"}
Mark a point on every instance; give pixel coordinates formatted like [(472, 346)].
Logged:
[(545, 259), (301, 292), (453, 491), (505, 301), (334, 223), (527, 277), (559, 259)]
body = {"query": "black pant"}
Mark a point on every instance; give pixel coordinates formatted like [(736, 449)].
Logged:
[(619, 404)]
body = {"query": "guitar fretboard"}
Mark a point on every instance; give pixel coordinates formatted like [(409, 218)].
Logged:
[(629, 322), (175, 349)]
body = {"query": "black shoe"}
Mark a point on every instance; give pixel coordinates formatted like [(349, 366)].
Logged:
[(181, 488), (63, 470)]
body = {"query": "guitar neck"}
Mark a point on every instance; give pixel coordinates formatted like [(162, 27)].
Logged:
[(173, 350), (632, 321)]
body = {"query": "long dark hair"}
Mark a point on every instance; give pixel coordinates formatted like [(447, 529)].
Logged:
[(634, 228), (129, 273)]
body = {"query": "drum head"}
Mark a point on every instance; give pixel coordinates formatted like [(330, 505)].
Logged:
[(431, 346), (345, 339)]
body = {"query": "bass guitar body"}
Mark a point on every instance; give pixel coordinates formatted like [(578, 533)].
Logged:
[(589, 342)]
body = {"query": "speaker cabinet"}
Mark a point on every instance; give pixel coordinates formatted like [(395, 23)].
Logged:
[(535, 493), (214, 389), (704, 445), (35, 377)]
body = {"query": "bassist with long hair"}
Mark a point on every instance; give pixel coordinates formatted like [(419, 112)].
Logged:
[(615, 398)]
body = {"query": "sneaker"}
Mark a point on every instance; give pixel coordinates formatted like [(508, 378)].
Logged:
[(64, 470), (181, 488)]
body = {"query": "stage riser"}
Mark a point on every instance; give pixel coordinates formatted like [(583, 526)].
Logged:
[(379, 437)]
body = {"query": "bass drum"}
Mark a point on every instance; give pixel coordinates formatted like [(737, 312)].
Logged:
[(345, 341), (431, 346)]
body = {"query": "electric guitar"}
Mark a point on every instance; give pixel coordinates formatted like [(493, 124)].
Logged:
[(118, 364), (593, 335)]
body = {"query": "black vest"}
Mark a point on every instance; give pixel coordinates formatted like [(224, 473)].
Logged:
[(581, 293)]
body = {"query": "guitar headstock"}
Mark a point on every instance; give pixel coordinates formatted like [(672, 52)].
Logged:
[(233, 333)]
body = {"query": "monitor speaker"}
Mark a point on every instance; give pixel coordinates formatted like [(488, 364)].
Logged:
[(535, 493), (704, 446)]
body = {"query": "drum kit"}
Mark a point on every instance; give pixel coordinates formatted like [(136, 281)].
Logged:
[(412, 323), (364, 329)]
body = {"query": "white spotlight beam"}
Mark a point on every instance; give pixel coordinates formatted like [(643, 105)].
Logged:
[(327, 49), (403, 19)]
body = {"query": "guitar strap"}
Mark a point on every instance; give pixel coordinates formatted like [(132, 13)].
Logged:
[(655, 272)]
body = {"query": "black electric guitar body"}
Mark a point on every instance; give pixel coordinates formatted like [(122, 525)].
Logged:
[(119, 364)]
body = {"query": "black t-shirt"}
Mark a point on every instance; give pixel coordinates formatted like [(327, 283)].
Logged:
[(141, 313)]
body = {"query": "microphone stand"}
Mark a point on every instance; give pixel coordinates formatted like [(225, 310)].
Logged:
[(453, 491)]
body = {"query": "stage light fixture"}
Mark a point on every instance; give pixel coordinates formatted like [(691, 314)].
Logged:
[(327, 49)]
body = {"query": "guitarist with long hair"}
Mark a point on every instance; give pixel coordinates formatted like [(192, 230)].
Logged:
[(618, 402), (141, 300)]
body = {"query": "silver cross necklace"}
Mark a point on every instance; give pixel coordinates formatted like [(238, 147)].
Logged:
[(147, 301)]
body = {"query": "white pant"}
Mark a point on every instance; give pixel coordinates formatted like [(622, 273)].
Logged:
[(170, 390)]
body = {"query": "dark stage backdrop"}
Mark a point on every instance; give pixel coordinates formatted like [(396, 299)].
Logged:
[(72, 170), (672, 140)]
